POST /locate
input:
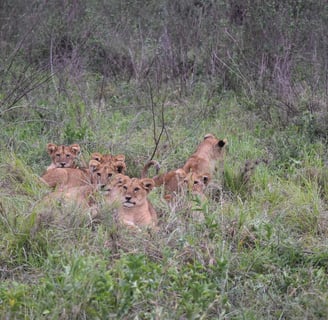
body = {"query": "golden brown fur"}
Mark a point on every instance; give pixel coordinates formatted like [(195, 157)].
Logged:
[(118, 161), (63, 156), (172, 180), (205, 158), (113, 189), (196, 183), (136, 209), (83, 196), (66, 177), (100, 173), (86, 194)]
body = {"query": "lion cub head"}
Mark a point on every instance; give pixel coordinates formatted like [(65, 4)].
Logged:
[(112, 191), (136, 210), (208, 152), (195, 183), (101, 173), (118, 161), (63, 156)]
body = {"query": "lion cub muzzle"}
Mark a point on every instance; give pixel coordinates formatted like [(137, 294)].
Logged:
[(128, 203)]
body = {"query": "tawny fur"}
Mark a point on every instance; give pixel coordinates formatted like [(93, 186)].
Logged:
[(100, 175), (196, 183), (117, 161), (172, 181), (66, 177), (63, 156), (204, 159), (136, 209), (112, 191)]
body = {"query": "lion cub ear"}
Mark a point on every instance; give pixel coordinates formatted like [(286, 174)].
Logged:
[(222, 143), (206, 178), (120, 157), (208, 135), (75, 148), (96, 156), (148, 184), (51, 147), (180, 173), (93, 165)]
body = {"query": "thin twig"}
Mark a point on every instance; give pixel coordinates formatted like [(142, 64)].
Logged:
[(156, 139)]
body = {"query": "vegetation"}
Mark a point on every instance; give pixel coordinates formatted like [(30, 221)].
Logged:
[(150, 79)]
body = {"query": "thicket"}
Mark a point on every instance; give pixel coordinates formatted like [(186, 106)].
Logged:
[(272, 53)]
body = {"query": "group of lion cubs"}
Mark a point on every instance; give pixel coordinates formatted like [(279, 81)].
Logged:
[(106, 174)]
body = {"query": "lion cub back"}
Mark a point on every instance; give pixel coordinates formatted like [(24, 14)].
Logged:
[(66, 177), (205, 158)]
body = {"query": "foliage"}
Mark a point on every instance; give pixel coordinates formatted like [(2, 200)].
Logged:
[(150, 79)]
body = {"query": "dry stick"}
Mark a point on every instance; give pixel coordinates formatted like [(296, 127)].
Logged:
[(101, 94), (25, 92), (35, 81), (156, 140), (51, 64)]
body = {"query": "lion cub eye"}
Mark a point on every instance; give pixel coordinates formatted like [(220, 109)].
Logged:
[(68, 156), (98, 174), (136, 189), (110, 175), (57, 155), (125, 187)]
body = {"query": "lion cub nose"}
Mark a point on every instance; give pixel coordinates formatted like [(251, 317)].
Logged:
[(63, 164), (128, 198)]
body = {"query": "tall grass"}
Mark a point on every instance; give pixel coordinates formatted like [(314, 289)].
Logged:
[(260, 252)]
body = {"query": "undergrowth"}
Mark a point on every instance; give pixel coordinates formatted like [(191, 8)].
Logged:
[(261, 251)]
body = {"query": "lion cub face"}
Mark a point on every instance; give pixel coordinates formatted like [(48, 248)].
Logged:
[(118, 161), (173, 182), (100, 173), (196, 183), (112, 191), (63, 156), (134, 193)]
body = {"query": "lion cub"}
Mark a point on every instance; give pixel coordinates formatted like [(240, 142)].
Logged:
[(118, 161), (63, 156), (81, 192), (136, 210), (208, 152)]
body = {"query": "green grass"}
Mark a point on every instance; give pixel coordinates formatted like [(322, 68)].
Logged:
[(260, 253)]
